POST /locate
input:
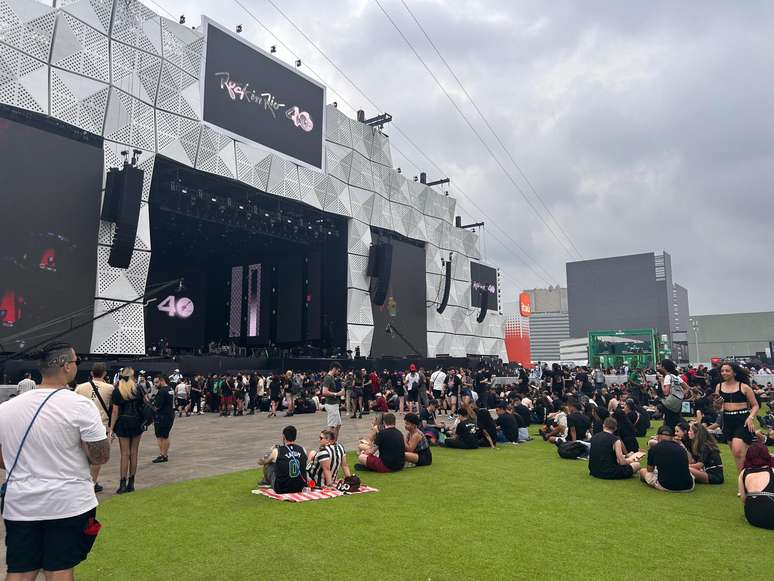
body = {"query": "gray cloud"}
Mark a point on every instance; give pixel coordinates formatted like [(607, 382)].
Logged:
[(643, 126)]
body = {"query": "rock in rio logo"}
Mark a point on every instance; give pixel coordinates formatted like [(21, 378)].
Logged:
[(243, 92)]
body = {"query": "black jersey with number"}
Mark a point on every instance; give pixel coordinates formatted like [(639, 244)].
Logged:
[(291, 469)]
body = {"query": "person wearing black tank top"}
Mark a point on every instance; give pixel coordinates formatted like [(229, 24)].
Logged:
[(739, 410), (284, 465), (756, 487)]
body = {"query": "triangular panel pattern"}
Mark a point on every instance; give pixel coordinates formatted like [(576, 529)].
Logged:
[(338, 161), (178, 92), (359, 307), (306, 186), (28, 26), (134, 71), (362, 203), (182, 46), (23, 80), (360, 336), (138, 26), (360, 175), (356, 272), (130, 121), (253, 165), (337, 127), (118, 283), (178, 137), (216, 153), (335, 197), (358, 237), (283, 178), (95, 13), (79, 101), (80, 48), (362, 139), (382, 178), (121, 332), (381, 217), (381, 150)]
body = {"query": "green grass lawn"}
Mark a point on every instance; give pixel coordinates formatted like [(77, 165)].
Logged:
[(511, 513)]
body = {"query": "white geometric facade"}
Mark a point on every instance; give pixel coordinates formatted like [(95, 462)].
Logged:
[(117, 69)]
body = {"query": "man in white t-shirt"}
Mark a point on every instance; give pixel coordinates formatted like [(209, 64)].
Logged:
[(50, 505), (25, 384), (90, 389), (438, 381), (412, 388)]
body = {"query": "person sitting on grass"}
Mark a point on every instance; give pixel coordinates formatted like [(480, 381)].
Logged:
[(391, 448), (578, 423), (607, 459), (707, 467), (430, 426), (323, 464), (756, 487), (626, 430), (667, 464), (417, 447), (507, 424), (556, 425), (486, 428), (464, 433), (283, 465)]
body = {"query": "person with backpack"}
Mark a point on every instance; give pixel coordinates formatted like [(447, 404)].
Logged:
[(673, 389), (127, 424), (100, 393)]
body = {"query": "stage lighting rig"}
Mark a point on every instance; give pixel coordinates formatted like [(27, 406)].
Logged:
[(379, 121), (239, 29), (182, 19)]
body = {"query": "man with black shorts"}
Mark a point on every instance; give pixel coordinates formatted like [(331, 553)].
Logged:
[(163, 418), (412, 389), (50, 505)]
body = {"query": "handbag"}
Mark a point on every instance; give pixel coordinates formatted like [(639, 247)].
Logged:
[(4, 486)]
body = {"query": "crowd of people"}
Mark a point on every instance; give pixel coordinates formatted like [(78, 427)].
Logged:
[(573, 409)]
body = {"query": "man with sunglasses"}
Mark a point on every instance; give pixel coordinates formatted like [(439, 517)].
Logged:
[(48, 438)]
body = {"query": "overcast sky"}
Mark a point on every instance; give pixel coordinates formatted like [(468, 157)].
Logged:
[(642, 125)]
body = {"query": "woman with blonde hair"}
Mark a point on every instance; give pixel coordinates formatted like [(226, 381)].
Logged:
[(127, 424)]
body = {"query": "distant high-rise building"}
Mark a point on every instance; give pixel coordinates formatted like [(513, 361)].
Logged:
[(625, 292), (549, 322)]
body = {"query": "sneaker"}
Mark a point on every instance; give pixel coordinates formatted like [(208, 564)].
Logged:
[(158, 459), (360, 467), (263, 482), (98, 487)]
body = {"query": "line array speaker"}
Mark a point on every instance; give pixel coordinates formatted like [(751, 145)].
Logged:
[(446, 288), (484, 305), (380, 257), (128, 183)]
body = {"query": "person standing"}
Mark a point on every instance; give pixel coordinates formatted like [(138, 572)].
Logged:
[(252, 393), (438, 381), (48, 438), (739, 410), (25, 384), (182, 394), (332, 394), (163, 418), (197, 388), (100, 393), (674, 393), (411, 382), (290, 393), (126, 424)]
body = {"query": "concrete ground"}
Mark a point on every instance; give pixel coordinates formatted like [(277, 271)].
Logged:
[(209, 445)]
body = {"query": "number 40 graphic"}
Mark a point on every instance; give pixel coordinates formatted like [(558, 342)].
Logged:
[(181, 308)]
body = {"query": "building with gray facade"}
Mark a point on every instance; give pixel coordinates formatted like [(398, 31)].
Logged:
[(549, 323), (730, 335), (625, 292)]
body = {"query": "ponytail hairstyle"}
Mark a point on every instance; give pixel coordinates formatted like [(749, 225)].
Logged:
[(127, 385)]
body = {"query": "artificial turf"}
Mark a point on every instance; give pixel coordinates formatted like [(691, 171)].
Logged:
[(518, 512)]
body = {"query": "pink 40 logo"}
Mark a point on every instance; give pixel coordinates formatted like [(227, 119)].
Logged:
[(181, 308)]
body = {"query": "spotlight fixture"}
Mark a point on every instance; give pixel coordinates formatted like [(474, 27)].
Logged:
[(273, 49), (335, 105), (239, 28), (241, 207), (399, 170), (213, 199), (298, 62), (182, 19), (416, 179)]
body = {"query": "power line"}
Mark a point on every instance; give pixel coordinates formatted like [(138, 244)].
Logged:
[(489, 126), (472, 127), (160, 7), (398, 129), (393, 146)]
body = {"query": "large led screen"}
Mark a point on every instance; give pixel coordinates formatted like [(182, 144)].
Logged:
[(50, 193), (254, 96), (483, 279), (176, 317), (400, 324)]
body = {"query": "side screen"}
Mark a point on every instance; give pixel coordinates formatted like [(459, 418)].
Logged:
[(48, 241), (483, 279)]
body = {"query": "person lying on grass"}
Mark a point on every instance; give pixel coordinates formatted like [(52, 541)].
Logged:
[(417, 447)]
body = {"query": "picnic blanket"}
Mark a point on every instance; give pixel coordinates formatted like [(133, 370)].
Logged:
[(320, 494)]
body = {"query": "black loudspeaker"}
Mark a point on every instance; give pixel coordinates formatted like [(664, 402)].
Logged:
[(380, 282), (127, 216), (373, 259), (484, 306), (446, 288), (113, 192)]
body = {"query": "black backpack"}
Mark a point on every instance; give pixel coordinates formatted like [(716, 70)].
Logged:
[(572, 450)]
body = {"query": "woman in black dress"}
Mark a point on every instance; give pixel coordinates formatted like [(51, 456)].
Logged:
[(164, 417), (127, 425)]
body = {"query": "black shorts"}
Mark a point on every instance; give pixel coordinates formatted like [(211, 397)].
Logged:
[(399, 391), (425, 458), (51, 545), (733, 426), (162, 425), (181, 403), (412, 395), (620, 472)]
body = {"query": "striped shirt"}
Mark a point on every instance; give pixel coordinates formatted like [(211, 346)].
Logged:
[(24, 385), (334, 453)]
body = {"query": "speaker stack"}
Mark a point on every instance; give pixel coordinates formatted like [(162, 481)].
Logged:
[(121, 205), (379, 269)]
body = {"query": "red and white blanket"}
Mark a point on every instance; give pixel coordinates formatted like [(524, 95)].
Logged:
[(319, 494)]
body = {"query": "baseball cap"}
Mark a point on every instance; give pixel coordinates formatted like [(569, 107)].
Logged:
[(412, 367)]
